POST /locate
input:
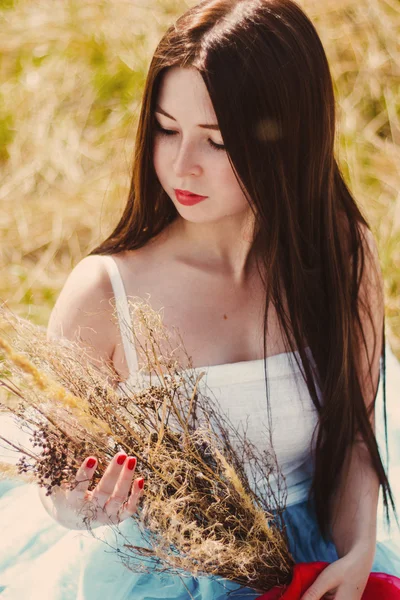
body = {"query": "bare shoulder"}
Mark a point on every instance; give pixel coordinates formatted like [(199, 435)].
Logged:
[(83, 311)]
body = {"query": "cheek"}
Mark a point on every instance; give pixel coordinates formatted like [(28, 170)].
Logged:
[(227, 177), (229, 186), (160, 157)]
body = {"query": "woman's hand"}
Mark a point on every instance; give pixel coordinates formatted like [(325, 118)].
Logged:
[(107, 503), (344, 579)]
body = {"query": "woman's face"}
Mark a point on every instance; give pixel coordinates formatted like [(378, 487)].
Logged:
[(192, 157)]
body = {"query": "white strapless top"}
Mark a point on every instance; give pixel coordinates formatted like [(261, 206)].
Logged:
[(240, 390)]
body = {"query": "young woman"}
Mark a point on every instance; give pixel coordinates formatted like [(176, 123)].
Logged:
[(240, 226)]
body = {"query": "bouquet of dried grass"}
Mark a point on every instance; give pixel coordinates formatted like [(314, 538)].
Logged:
[(204, 510)]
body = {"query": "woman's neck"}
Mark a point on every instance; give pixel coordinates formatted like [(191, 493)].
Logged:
[(224, 248)]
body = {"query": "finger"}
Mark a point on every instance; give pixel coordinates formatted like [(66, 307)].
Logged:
[(130, 506), (106, 485), (324, 584), (116, 511), (84, 475), (124, 483)]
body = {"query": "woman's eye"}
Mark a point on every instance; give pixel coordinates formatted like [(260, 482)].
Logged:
[(169, 132)]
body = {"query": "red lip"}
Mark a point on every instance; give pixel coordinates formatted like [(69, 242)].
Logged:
[(187, 198)]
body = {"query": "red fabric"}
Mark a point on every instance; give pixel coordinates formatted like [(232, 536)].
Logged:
[(380, 585)]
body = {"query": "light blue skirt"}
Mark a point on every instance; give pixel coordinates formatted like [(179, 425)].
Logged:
[(41, 560)]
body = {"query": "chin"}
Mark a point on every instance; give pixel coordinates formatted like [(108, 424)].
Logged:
[(203, 214), (206, 219), (189, 216)]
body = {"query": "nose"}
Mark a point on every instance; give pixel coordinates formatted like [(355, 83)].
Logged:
[(186, 160)]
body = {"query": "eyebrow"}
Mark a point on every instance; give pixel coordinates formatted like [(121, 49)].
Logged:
[(203, 125)]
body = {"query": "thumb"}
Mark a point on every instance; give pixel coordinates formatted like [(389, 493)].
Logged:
[(323, 587)]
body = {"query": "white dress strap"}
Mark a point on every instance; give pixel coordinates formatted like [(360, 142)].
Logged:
[(124, 317)]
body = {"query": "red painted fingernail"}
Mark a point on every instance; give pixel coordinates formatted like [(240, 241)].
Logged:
[(121, 459), (140, 483), (131, 463), (90, 463)]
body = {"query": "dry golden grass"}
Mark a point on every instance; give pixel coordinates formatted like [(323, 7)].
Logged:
[(210, 494), (71, 79)]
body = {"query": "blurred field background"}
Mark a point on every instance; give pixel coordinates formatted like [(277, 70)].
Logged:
[(71, 78)]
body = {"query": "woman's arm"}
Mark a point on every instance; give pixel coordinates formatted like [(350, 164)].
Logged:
[(354, 513), (83, 314), (355, 507)]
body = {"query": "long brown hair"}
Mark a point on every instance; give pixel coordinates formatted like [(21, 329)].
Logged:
[(268, 78)]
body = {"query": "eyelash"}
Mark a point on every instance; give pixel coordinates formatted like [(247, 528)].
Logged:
[(169, 132)]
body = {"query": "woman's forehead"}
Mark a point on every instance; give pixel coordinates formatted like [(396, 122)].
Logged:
[(183, 93)]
